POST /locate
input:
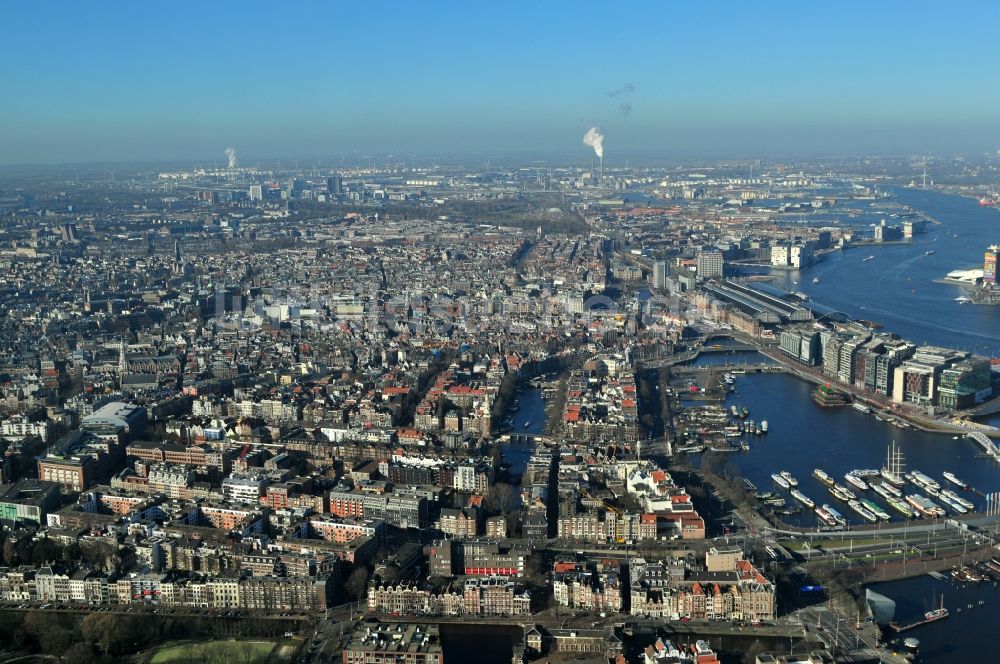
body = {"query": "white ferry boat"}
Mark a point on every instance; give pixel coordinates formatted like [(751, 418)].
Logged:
[(781, 481), (856, 481)]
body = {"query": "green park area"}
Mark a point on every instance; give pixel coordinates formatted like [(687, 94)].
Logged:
[(224, 652)]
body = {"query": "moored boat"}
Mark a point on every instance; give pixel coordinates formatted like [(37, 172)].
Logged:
[(803, 498), (856, 481), (863, 511), (780, 481), (837, 516), (950, 476), (822, 476), (789, 478)]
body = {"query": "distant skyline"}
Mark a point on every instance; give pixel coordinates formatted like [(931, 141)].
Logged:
[(128, 81)]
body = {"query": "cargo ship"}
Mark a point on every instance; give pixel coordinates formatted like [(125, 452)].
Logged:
[(822, 476), (803, 498), (856, 481)]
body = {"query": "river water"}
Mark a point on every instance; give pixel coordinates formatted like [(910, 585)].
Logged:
[(897, 287)]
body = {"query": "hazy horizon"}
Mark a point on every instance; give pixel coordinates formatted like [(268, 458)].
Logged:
[(133, 82)]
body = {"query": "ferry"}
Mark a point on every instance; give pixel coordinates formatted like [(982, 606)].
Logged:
[(781, 481), (824, 515), (875, 509), (950, 476), (887, 490), (951, 495), (922, 480), (788, 478), (841, 493), (822, 476), (837, 516), (903, 508), (863, 511), (856, 481), (960, 509), (924, 505), (803, 498)]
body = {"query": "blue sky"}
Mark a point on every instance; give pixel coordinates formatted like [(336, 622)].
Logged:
[(145, 81)]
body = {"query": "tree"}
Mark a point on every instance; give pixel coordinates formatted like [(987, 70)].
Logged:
[(356, 585), (104, 630), (80, 653)]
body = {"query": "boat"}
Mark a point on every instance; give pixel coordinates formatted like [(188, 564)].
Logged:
[(856, 481), (924, 505), (951, 495), (749, 485), (734, 411), (789, 478), (950, 476), (823, 515), (875, 509), (869, 258), (744, 412), (954, 505), (922, 480), (527, 424), (892, 472), (803, 498), (901, 507), (815, 280), (860, 407), (763, 426), (841, 493), (928, 252), (863, 511), (781, 481), (886, 490), (961, 299), (837, 516), (822, 476)]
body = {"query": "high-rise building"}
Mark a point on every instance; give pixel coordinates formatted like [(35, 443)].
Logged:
[(710, 264), (256, 192), (660, 275), (335, 184), (990, 264)]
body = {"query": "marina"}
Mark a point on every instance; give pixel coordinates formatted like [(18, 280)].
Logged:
[(853, 443)]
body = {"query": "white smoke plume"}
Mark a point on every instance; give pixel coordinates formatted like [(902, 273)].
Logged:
[(231, 156), (623, 90), (595, 139)]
